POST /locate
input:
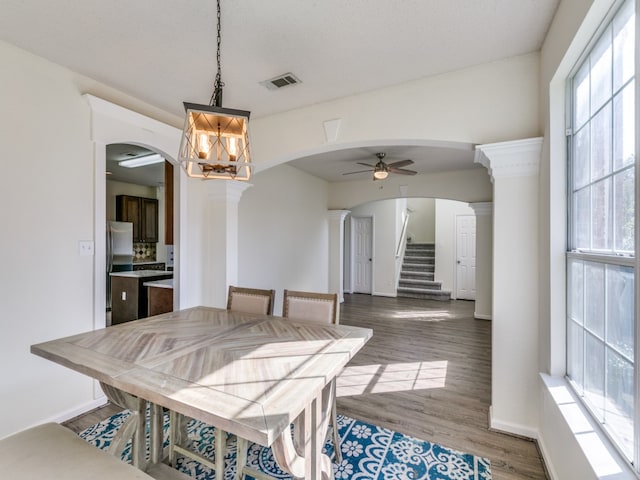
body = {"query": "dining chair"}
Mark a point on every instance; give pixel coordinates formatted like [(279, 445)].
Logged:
[(316, 307), (313, 307), (239, 299), (250, 300), (323, 308)]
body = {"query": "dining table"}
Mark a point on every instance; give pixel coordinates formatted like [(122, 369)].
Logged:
[(251, 375)]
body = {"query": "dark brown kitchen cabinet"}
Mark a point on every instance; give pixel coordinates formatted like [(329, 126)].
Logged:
[(129, 298), (143, 213)]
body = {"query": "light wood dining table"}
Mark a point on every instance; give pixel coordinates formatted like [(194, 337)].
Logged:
[(247, 374)]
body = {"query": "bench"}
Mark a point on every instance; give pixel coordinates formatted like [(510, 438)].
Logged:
[(53, 452)]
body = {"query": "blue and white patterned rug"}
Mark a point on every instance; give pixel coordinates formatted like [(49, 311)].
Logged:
[(368, 452)]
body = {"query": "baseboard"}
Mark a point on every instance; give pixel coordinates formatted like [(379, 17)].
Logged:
[(481, 316), (383, 294), (511, 428), (548, 466), (76, 411)]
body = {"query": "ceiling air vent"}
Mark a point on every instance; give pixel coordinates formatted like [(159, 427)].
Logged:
[(280, 81)]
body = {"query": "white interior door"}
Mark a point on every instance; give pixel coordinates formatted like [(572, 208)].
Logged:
[(466, 257), (362, 234)]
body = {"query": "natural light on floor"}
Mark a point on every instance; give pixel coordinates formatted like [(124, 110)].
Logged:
[(392, 377), (427, 315)]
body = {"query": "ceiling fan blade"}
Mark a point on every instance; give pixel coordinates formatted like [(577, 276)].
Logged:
[(401, 163), (359, 171), (366, 164), (401, 171)]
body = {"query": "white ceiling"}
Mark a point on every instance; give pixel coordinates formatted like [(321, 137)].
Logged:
[(163, 51)]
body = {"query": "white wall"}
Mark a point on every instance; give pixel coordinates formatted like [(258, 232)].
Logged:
[(422, 222), (283, 233), (486, 103), (445, 264), (385, 237), (47, 287)]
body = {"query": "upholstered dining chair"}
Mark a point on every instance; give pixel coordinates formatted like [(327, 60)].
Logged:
[(316, 307), (313, 307), (250, 300), (239, 299)]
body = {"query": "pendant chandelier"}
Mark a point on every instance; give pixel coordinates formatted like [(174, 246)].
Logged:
[(215, 140)]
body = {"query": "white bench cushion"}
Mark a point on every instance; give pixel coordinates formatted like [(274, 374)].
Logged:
[(53, 452)]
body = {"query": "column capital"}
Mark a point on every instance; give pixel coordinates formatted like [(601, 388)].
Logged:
[(482, 208), (337, 214), (518, 158), (226, 190)]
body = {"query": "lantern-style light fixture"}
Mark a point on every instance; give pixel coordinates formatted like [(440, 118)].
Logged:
[(215, 140)]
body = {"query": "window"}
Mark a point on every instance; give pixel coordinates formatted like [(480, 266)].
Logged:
[(602, 217)]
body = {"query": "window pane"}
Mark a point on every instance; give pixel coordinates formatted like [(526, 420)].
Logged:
[(601, 143), (581, 96), (601, 72), (623, 43), (580, 164), (623, 210), (582, 219), (600, 213), (620, 309), (594, 374), (624, 127), (618, 415), (576, 290), (594, 296), (575, 355)]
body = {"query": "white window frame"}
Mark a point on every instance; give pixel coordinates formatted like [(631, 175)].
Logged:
[(631, 260)]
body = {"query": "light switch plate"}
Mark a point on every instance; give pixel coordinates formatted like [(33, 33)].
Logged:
[(85, 247)]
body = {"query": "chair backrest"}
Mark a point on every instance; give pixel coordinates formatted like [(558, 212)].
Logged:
[(317, 307), (250, 300)]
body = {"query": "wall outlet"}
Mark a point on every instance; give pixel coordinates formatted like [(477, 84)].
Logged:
[(85, 247), (124, 296)]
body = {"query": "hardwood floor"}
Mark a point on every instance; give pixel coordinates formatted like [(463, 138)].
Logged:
[(426, 373)]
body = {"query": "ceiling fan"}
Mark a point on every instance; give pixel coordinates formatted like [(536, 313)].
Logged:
[(381, 170)]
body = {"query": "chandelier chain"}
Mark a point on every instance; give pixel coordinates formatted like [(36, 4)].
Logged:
[(216, 97)]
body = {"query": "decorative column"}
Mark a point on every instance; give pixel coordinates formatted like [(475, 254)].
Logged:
[(484, 259), (220, 249), (336, 252), (513, 167)]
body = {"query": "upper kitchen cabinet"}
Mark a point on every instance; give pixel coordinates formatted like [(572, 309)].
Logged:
[(143, 213)]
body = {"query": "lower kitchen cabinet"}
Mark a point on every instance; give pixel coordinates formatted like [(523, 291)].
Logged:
[(129, 297), (160, 296)]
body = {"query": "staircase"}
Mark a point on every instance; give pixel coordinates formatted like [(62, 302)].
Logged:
[(416, 276)]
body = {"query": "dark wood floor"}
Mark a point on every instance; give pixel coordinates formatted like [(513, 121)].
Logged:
[(426, 373)]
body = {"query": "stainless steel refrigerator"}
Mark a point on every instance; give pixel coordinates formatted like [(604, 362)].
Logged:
[(119, 251)]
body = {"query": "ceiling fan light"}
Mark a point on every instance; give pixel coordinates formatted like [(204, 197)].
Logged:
[(380, 174)]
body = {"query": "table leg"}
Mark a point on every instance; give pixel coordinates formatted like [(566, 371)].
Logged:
[(302, 456), (133, 428), (156, 433)]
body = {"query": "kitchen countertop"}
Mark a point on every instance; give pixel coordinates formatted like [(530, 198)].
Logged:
[(167, 283), (141, 273)]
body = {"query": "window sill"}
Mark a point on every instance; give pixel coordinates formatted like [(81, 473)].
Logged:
[(572, 443)]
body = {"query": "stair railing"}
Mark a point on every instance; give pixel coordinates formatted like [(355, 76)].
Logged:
[(403, 236), (402, 245)]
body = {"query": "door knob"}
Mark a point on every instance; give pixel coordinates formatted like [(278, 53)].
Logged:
[(458, 262)]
